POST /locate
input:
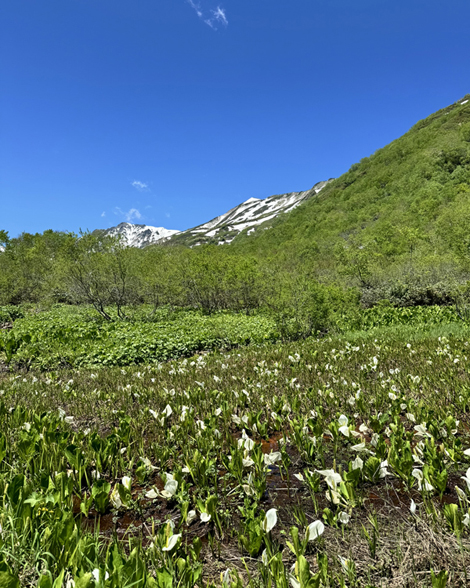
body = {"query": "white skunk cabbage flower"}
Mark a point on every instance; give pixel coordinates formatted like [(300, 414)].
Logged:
[(357, 464), (127, 483), (344, 518), (383, 469), (205, 517), (421, 430), (171, 485), (294, 576), (191, 516), (272, 458), (332, 478), (264, 558), (461, 494), (360, 447), (167, 411), (245, 442), (422, 483), (467, 478), (343, 422), (171, 542), (314, 530), (413, 506), (270, 520), (345, 563), (151, 494), (96, 575), (147, 463), (248, 462), (115, 498), (225, 578)]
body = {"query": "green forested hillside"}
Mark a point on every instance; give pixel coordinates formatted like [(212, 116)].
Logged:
[(408, 202)]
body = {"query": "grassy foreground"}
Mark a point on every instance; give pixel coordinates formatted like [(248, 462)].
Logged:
[(334, 462)]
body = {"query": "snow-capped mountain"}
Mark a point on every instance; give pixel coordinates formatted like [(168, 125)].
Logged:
[(247, 215), (224, 228), (140, 235)]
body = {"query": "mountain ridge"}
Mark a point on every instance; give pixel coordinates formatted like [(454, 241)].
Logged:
[(134, 235), (222, 229)]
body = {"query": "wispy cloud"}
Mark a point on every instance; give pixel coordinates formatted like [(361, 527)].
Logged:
[(103, 214), (216, 17), (131, 215), (196, 8), (139, 185)]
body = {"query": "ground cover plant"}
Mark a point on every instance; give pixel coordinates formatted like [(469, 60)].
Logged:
[(341, 461), (70, 336), (74, 336)]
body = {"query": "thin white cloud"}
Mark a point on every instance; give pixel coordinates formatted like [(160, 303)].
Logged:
[(133, 214), (103, 214), (217, 17), (138, 185), (129, 216), (196, 8)]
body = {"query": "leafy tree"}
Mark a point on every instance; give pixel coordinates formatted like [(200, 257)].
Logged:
[(101, 274)]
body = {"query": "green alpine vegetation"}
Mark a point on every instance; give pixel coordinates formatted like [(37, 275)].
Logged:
[(396, 224)]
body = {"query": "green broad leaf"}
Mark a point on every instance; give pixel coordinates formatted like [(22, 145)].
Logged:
[(3, 450), (14, 488), (34, 499), (305, 577), (8, 580), (45, 581), (85, 581), (164, 579), (439, 580), (85, 505), (59, 580)]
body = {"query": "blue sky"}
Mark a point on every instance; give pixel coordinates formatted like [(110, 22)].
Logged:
[(170, 112)]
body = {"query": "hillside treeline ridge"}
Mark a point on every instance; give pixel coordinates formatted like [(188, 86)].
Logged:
[(394, 229)]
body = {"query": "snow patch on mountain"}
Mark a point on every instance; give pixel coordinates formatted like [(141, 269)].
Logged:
[(140, 235), (221, 230), (249, 215)]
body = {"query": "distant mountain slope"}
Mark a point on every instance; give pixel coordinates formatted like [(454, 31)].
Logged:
[(222, 229), (140, 235), (245, 217)]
